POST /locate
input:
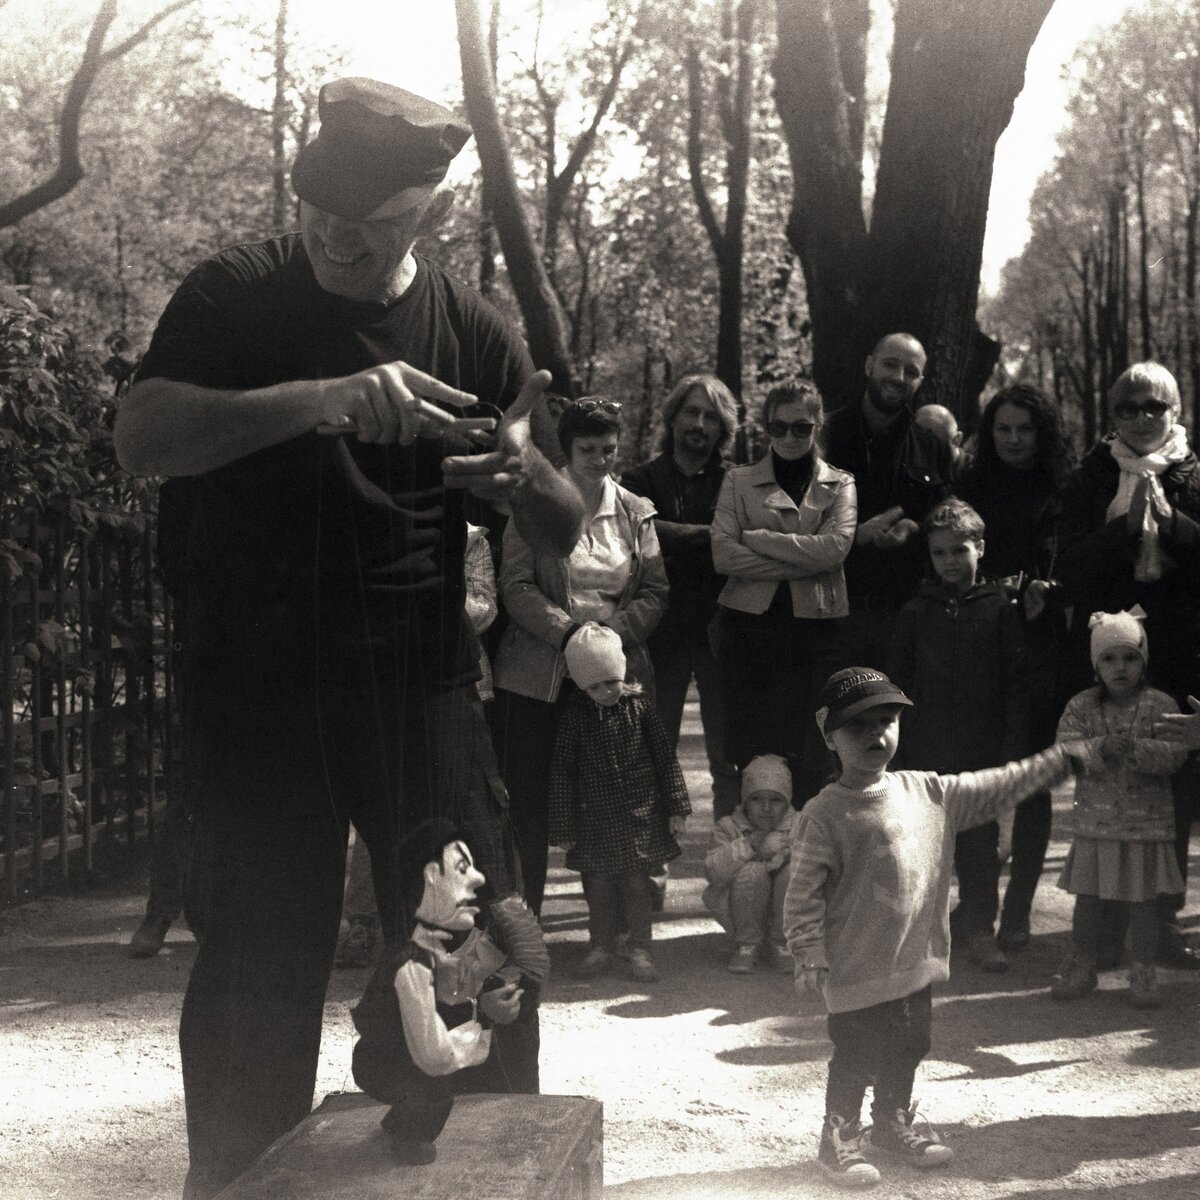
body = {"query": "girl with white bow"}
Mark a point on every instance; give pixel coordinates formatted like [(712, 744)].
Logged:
[(1124, 823)]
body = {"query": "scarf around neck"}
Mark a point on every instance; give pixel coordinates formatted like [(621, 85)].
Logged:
[(1134, 467)]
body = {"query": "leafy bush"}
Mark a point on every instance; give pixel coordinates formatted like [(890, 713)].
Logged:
[(57, 406)]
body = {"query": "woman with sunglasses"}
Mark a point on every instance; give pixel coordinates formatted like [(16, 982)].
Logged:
[(614, 576), (1129, 534), (781, 532)]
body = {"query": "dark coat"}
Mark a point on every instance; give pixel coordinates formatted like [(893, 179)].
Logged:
[(1096, 559), (614, 781), (960, 661), (905, 465), (1020, 511), (682, 520)]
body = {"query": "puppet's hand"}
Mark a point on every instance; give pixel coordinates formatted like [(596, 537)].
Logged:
[(501, 1005)]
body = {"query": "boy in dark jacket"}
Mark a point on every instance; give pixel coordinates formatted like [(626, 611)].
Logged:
[(957, 650)]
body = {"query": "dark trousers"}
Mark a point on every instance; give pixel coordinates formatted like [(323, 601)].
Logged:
[(273, 803), (616, 903), (526, 729), (977, 865), (771, 672), (1030, 840), (170, 857), (677, 658), (878, 1047)]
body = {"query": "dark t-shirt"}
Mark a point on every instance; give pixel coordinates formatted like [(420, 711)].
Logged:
[(282, 545)]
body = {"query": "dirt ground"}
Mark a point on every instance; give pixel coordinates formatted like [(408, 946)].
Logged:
[(712, 1084)]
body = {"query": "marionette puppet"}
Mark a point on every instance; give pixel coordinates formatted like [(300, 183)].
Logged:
[(426, 1016)]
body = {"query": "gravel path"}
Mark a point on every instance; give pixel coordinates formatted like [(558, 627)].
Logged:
[(712, 1083)]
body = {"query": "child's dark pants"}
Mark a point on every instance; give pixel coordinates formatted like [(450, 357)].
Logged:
[(616, 903), (879, 1046)]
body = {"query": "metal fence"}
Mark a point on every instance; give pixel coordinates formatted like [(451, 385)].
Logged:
[(86, 698)]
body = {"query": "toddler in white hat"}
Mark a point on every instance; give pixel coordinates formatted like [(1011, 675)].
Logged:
[(747, 865), (617, 800)]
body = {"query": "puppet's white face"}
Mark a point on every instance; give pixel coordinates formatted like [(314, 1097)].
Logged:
[(448, 901)]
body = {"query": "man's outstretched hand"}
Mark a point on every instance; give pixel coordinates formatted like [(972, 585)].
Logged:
[(494, 476), (1180, 728), (390, 403)]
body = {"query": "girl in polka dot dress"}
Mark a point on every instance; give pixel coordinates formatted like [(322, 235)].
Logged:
[(617, 799), (1124, 818)]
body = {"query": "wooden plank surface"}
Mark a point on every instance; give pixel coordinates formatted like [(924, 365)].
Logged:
[(494, 1147)]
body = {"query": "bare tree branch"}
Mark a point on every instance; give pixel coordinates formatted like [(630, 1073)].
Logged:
[(69, 170), (695, 156)]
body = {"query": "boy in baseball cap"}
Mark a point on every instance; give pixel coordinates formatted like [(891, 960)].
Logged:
[(866, 914)]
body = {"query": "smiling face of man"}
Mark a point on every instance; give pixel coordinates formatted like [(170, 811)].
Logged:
[(894, 372), (363, 260)]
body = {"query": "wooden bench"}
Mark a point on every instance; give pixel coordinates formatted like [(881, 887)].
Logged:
[(494, 1147)]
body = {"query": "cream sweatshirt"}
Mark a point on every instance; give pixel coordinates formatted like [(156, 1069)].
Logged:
[(869, 897)]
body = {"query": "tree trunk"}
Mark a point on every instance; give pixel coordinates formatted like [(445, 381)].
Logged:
[(1143, 261), (279, 191), (544, 326), (826, 227), (1191, 317), (957, 67)]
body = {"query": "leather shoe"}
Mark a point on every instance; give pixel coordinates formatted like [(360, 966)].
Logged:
[(148, 938)]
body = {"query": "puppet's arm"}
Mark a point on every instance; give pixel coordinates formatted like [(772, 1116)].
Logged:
[(435, 1049)]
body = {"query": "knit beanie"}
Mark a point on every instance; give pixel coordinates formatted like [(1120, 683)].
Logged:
[(767, 773), (1118, 629), (594, 655)]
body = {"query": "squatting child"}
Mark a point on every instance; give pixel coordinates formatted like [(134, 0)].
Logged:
[(747, 866), (958, 652), (867, 912), (1124, 819), (617, 799)]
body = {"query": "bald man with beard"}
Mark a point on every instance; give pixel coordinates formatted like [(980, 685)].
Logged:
[(901, 471)]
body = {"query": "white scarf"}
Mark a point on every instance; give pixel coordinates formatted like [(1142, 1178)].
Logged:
[(1149, 565)]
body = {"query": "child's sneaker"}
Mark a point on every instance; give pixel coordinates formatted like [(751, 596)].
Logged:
[(898, 1135), (1143, 986), (1075, 978), (595, 962), (840, 1155), (742, 960), (641, 965)]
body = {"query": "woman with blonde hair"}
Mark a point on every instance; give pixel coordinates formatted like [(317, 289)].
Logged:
[(1129, 534)]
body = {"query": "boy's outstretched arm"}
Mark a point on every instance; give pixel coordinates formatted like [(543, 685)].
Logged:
[(975, 797)]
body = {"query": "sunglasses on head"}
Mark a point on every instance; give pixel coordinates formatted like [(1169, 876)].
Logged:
[(590, 404), (799, 429), (1128, 411)]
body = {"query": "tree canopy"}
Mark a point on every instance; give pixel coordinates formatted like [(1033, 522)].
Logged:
[(727, 185)]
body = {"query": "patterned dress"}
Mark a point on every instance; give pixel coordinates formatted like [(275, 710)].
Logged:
[(614, 781)]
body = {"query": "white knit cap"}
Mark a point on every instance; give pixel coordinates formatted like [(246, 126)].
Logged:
[(767, 773), (594, 655), (1118, 629)]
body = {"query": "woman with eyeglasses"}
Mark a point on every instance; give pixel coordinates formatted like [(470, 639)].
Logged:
[(1129, 534), (782, 529), (614, 576)]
